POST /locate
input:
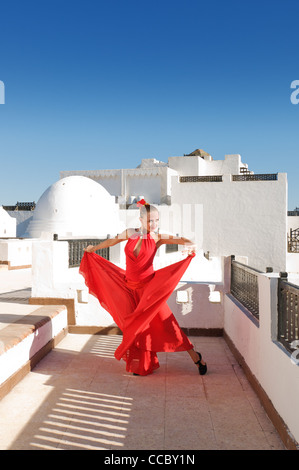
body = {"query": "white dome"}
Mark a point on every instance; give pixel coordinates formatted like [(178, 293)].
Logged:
[(75, 206)]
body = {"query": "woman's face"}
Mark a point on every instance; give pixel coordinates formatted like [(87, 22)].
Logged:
[(150, 221)]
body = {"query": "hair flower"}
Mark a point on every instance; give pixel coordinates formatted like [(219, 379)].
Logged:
[(141, 203)]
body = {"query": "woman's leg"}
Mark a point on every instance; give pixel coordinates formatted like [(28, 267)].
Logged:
[(196, 358)]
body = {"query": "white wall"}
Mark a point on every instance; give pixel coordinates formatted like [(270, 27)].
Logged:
[(198, 166), (183, 219), (7, 224), (187, 166), (112, 184), (109, 179), (293, 222), (244, 218), (148, 186), (152, 182), (17, 252), (268, 361), (203, 280), (23, 218), (52, 278)]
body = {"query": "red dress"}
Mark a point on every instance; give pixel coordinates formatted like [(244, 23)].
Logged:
[(136, 300)]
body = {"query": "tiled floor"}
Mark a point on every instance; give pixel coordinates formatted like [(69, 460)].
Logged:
[(80, 397)]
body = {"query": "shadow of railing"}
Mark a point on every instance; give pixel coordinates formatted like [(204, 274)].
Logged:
[(82, 412), (82, 419)]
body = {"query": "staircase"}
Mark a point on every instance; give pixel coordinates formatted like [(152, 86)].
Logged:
[(27, 334)]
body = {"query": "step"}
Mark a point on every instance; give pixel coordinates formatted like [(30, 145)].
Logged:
[(27, 334)]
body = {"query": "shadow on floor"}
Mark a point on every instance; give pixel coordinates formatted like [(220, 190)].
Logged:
[(79, 397)]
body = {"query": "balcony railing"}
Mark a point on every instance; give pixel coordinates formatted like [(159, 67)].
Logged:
[(294, 213), (76, 250), (293, 241), (218, 178), (21, 206), (288, 315), (258, 177), (244, 286), (201, 179)]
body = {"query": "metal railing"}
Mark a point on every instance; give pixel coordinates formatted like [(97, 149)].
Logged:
[(294, 213), (244, 286), (258, 177), (201, 179), (76, 250), (218, 178), (293, 241), (21, 206), (288, 315)]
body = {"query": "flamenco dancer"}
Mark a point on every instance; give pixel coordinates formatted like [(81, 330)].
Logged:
[(136, 297)]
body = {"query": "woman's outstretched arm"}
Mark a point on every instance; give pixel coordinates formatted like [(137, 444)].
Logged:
[(165, 239), (109, 241)]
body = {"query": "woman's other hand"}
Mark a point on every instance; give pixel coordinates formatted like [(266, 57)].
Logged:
[(189, 249), (89, 249)]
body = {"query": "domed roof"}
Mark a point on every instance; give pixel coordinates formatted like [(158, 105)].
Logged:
[(75, 206)]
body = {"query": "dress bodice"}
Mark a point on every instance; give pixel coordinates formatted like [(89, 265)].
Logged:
[(141, 266)]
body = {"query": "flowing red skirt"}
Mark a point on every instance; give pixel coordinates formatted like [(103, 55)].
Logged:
[(139, 309)]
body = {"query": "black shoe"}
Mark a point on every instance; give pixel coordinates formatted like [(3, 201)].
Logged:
[(202, 368)]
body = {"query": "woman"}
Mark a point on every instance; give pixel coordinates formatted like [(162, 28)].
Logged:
[(136, 298)]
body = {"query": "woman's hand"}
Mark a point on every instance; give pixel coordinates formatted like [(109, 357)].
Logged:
[(89, 249), (189, 248)]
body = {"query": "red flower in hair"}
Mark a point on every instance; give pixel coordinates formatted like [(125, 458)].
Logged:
[(141, 203)]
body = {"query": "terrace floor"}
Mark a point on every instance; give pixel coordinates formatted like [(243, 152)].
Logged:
[(80, 397)]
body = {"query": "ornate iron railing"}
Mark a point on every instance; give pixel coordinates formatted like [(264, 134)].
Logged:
[(21, 206), (258, 177), (244, 286), (76, 250), (201, 179), (288, 314), (293, 241), (294, 213), (218, 178)]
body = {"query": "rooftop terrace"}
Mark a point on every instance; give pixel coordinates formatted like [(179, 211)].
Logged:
[(78, 396)]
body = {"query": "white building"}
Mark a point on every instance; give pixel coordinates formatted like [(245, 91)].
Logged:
[(225, 208), (7, 224), (75, 207), (152, 178)]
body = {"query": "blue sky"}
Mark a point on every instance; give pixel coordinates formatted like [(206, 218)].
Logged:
[(103, 84)]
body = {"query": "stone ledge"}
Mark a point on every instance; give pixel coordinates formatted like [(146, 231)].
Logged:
[(31, 332), (18, 329), (8, 266), (52, 301)]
